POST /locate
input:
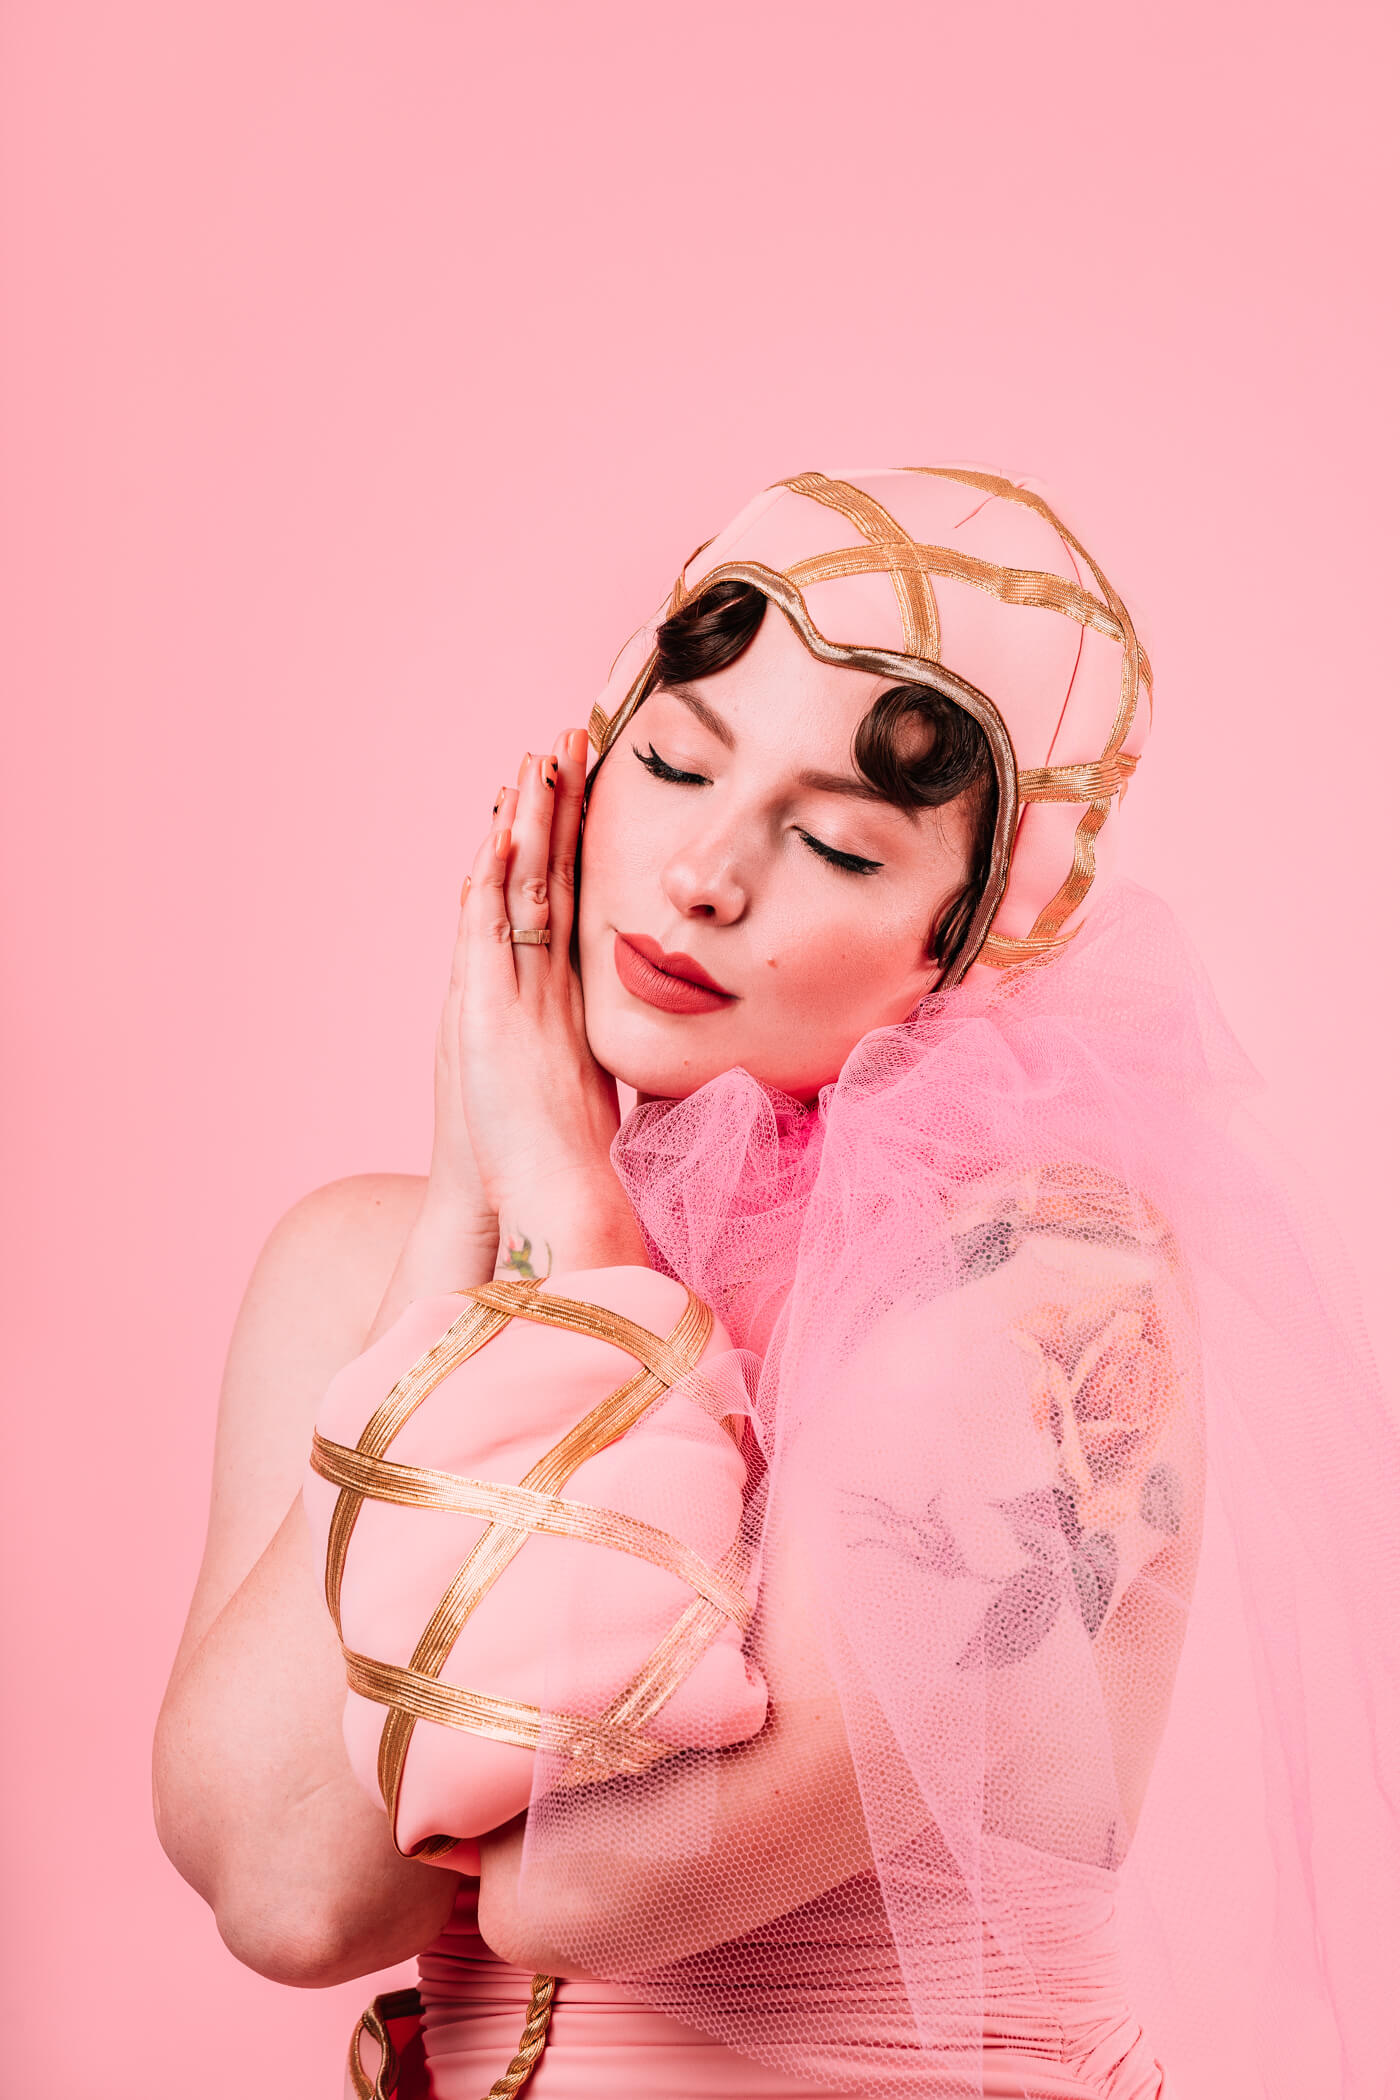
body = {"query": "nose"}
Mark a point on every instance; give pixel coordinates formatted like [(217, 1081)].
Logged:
[(701, 880)]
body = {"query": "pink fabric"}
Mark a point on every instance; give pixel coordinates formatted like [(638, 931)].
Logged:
[(1069, 1430), (569, 1622), (604, 2042)]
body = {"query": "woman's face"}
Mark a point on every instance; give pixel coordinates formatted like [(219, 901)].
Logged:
[(747, 898)]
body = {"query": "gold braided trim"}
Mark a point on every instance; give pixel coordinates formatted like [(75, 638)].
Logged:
[(468, 1333), (918, 608), (1003, 950), (599, 724), (1077, 883), (1039, 589), (510, 1721), (665, 1361), (670, 1360), (493, 1553), (675, 1656), (1133, 658), (424, 1487), (1098, 780)]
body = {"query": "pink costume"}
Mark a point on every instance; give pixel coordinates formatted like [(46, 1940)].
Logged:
[(1060, 1586)]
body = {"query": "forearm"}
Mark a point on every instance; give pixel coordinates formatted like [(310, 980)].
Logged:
[(451, 1247), (786, 1804), (255, 1800)]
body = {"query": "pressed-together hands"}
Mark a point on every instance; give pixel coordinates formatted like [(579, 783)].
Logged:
[(523, 1114)]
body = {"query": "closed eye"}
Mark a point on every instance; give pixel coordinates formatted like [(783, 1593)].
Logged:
[(853, 863), (656, 765), (658, 768)]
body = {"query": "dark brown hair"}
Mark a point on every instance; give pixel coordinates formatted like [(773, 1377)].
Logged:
[(916, 748)]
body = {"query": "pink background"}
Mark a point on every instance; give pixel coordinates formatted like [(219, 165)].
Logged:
[(369, 369)]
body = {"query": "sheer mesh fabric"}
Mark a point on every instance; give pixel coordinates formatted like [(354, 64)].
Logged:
[(1077, 1512)]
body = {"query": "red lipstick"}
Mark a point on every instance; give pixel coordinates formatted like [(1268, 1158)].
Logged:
[(674, 983)]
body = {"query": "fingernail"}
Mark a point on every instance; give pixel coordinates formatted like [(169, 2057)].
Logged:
[(524, 769), (466, 885), (501, 842), (548, 769), (578, 745)]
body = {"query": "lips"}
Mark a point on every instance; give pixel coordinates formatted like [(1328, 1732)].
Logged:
[(674, 983)]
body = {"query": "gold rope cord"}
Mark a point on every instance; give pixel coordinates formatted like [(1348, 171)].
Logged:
[(396, 2005), (612, 1742)]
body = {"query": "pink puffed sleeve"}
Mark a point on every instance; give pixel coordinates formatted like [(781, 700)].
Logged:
[(531, 1505)]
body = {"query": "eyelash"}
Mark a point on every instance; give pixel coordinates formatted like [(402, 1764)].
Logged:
[(850, 863)]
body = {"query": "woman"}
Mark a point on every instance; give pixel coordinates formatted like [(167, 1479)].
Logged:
[(932, 1121)]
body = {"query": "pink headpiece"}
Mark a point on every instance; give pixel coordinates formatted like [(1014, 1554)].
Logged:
[(967, 582)]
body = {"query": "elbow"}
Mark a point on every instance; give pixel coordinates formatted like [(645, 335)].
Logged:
[(303, 1950), (292, 1934)]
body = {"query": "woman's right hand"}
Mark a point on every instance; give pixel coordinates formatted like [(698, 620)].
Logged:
[(455, 1238)]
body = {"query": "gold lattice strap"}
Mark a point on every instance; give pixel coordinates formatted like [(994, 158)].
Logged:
[(424, 1487), (604, 1744), (470, 1331), (669, 1360), (1039, 589), (591, 1747), (918, 608)]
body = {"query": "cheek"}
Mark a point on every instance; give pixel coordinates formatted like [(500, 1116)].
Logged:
[(839, 972), (621, 854)]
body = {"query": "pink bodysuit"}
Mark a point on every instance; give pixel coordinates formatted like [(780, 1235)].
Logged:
[(1067, 2037)]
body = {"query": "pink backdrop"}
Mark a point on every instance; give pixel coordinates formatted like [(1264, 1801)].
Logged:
[(369, 367)]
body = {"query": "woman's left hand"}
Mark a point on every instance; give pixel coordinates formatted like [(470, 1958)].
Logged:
[(541, 1110)]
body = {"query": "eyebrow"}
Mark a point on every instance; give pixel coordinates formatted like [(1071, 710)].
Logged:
[(812, 778), (703, 713)]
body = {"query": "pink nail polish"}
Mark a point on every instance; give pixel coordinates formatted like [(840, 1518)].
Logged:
[(501, 842)]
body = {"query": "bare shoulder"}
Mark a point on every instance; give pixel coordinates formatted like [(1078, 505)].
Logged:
[(313, 1293), (342, 1241)]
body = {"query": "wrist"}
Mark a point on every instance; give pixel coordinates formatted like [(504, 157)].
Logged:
[(450, 1247), (578, 1221)]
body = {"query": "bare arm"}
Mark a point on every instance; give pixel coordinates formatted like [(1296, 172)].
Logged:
[(255, 1801), (796, 1779)]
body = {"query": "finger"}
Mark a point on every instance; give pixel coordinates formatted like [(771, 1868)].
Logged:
[(571, 750), (527, 883), (489, 961), (502, 810)]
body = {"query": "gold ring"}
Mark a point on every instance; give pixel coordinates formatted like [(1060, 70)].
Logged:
[(529, 936)]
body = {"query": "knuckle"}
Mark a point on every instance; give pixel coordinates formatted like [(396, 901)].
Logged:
[(561, 871), (536, 890)]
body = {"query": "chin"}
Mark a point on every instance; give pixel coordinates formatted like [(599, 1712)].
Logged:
[(656, 1059), (653, 1057)]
